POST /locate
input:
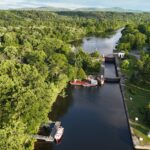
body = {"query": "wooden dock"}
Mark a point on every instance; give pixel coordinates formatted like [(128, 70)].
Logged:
[(49, 138)]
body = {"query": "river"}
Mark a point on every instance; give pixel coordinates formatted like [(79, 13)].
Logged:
[(103, 45), (93, 118)]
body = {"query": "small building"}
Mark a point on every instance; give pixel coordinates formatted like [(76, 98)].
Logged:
[(121, 55)]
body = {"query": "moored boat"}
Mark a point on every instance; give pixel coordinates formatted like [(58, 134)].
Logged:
[(78, 82), (91, 84), (59, 134), (88, 83)]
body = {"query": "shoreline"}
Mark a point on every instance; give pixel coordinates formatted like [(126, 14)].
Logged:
[(118, 71), (135, 140)]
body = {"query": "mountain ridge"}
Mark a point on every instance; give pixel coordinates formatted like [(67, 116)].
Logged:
[(111, 9)]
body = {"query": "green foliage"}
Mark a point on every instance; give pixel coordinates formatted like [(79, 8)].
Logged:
[(147, 115), (95, 54), (125, 64), (81, 74), (144, 67), (136, 37), (132, 39), (11, 52), (36, 63), (137, 69), (140, 40), (9, 39), (124, 47)]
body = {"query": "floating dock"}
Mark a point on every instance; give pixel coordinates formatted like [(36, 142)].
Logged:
[(49, 138)]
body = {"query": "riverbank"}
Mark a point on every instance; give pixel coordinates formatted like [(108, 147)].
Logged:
[(136, 98), (56, 90)]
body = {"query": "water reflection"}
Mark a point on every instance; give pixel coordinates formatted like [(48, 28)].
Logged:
[(61, 106), (103, 45)]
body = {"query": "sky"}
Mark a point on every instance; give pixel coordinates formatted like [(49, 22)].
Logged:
[(72, 4)]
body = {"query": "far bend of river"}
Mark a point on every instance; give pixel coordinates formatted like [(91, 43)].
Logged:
[(93, 118), (103, 45)]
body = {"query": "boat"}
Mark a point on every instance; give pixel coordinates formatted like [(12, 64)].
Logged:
[(59, 134), (88, 83), (91, 84), (78, 82)]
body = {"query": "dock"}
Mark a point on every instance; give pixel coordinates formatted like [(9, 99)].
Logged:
[(49, 138)]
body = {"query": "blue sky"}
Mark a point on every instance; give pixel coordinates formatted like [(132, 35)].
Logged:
[(127, 4)]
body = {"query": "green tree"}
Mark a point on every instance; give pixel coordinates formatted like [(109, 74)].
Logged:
[(11, 52), (125, 64), (140, 40), (10, 39), (81, 74)]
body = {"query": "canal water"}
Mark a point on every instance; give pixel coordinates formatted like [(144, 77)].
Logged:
[(93, 118)]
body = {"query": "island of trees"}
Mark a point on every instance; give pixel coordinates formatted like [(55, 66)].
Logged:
[(37, 61)]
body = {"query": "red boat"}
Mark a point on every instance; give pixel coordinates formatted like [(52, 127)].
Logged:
[(89, 83), (77, 82)]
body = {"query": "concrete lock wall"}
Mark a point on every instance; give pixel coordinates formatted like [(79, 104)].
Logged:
[(115, 61)]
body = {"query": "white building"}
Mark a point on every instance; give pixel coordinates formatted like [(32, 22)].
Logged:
[(121, 55)]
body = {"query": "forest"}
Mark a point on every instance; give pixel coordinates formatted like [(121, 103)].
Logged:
[(135, 42), (37, 62)]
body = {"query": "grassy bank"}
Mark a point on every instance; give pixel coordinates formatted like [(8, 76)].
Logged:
[(137, 99)]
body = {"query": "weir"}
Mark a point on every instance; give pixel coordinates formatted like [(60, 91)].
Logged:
[(112, 80), (110, 59)]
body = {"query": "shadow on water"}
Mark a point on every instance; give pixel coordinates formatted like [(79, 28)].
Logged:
[(61, 106), (59, 109)]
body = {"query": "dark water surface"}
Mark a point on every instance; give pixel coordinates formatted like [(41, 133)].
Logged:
[(93, 118), (110, 70)]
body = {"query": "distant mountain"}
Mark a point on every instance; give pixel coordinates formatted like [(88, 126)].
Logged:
[(47, 9), (113, 9)]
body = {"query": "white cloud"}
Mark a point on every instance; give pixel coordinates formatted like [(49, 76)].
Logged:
[(134, 4), (65, 5), (5, 4), (22, 3), (9, 2)]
